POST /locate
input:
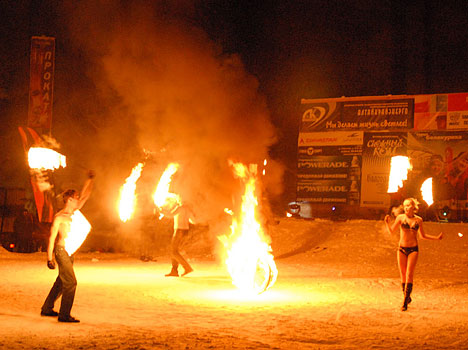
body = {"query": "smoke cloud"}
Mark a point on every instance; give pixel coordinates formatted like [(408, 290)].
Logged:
[(167, 93)]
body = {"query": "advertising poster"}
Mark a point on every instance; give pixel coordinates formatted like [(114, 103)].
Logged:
[(41, 84), (329, 167), (442, 155), (377, 151), (457, 111), (441, 112), (357, 114)]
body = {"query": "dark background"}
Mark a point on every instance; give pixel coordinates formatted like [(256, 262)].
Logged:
[(296, 49)]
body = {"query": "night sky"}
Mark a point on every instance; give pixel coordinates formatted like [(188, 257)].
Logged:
[(294, 49)]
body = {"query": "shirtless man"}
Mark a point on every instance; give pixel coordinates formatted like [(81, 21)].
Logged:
[(411, 226), (65, 284)]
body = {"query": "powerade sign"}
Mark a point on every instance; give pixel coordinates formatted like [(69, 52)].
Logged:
[(328, 191), (324, 164)]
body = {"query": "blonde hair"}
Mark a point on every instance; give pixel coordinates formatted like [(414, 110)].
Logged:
[(414, 201)]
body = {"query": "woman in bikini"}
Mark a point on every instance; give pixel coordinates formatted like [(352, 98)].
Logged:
[(407, 255)]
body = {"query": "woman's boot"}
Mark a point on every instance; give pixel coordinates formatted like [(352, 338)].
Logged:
[(408, 290)]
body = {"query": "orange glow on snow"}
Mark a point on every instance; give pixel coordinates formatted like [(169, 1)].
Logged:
[(249, 259), (79, 229), (399, 167), (45, 158), (426, 190), (127, 199)]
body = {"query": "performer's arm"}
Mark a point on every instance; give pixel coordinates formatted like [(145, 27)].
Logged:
[(396, 223), (50, 247), (191, 216), (170, 213), (86, 191), (423, 234)]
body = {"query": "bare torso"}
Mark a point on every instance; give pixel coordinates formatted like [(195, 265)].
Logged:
[(63, 222)]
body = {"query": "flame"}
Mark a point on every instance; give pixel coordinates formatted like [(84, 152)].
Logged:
[(127, 198), (426, 190), (399, 167), (228, 211), (460, 234), (288, 214), (161, 196), (45, 158), (249, 259), (79, 229)]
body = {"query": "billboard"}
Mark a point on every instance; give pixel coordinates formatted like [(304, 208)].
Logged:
[(378, 150), (442, 155), (368, 131), (441, 112), (385, 113), (328, 169)]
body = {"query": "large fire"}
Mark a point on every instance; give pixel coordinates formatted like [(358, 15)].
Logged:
[(161, 195), (249, 259), (45, 158), (127, 198), (399, 167), (426, 190), (79, 229)]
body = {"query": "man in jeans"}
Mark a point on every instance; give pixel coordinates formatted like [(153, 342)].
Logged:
[(183, 216), (65, 284)]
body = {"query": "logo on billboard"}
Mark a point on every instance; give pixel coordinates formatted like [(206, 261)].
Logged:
[(313, 115), (311, 151)]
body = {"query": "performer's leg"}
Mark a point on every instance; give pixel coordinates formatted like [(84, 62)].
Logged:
[(180, 236), (402, 264), (67, 275), (175, 242), (412, 260), (54, 294)]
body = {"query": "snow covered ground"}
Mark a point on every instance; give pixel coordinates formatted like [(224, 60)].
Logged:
[(338, 288)]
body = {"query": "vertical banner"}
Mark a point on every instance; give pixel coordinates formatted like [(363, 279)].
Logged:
[(41, 83), (378, 149), (41, 88), (328, 169)]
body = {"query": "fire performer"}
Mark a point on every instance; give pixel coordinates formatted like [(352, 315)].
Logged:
[(183, 216), (410, 226), (65, 284)]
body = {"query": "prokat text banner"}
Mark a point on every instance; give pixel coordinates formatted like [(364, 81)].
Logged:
[(41, 84)]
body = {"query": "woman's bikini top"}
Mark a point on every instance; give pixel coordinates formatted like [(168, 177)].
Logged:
[(407, 226)]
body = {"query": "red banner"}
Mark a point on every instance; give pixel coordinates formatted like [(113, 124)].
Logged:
[(41, 83), (43, 199)]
